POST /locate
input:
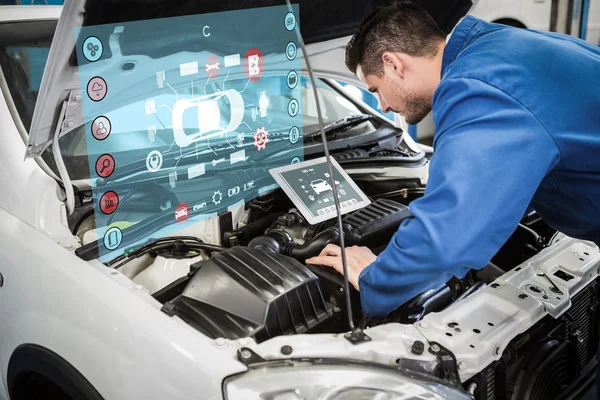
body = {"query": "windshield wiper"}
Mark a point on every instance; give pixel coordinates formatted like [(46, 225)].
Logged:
[(343, 124)]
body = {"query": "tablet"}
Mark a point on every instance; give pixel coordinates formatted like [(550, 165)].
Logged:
[(308, 185)]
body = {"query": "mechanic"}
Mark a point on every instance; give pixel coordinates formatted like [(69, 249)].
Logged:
[(517, 117)]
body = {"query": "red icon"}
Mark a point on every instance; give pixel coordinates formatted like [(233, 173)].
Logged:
[(182, 212), (254, 65), (261, 138), (105, 165), (212, 66), (109, 202)]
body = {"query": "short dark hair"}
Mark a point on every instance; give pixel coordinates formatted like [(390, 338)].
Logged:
[(402, 27)]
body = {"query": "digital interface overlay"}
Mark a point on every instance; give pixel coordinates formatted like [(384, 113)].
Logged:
[(185, 117), (308, 185)]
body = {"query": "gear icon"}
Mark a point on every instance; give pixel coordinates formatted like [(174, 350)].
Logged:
[(217, 197), (261, 138)]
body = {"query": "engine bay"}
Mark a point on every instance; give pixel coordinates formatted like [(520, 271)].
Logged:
[(248, 279), (269, 234)]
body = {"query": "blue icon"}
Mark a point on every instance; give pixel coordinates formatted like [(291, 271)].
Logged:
[(113, 238), (293, 107), (291, 50), (92, 48), (292, 79), (290, 21), (295, 160), (294, 135)]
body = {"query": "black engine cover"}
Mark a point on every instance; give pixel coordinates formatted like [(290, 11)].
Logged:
[(245, 292)]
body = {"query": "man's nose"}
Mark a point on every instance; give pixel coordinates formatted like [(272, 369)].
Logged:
[(383, 105)]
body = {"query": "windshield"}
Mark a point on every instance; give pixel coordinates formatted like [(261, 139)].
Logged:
[(23, 58), (176, 138), (24, 49)]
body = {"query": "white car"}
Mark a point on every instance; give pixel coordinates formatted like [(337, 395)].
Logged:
[(224, 308), (208, 116), (320, 186)]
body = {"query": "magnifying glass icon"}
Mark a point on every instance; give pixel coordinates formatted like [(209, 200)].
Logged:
[(105, 164)]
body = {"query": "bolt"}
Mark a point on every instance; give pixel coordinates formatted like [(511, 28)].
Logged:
[(70, 123), (243, 341), (139, 288), (462, 365), (286, 350), (336, 309), (435, 348), (424, 325), (340, 290), (246, 354), (417, 347), (457, 329), (77, 97), (220, 342)]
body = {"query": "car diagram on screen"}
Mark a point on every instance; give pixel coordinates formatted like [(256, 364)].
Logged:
[(209, 116), (320, 186), (181, 213)]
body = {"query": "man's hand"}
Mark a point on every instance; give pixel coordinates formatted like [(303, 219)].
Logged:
[(357, 259)]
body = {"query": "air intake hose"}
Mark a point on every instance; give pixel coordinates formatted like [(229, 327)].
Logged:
[(279, 241), (371, 226)]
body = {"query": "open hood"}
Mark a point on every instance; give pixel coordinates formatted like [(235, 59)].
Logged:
[(325, 26)]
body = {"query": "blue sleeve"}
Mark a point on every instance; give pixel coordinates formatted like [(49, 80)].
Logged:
[(491, 154)]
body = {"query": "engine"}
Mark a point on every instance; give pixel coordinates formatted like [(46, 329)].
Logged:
[(256, 285), (246, 292), (263, 290)]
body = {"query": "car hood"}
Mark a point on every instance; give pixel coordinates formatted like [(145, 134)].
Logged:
[(325, 26)]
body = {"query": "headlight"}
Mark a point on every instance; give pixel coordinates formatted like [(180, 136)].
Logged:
[(329, 381)]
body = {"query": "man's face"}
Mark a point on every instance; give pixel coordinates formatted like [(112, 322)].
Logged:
[(404, 93)]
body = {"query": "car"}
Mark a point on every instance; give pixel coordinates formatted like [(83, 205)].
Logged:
[(209, 116), (320, 186), (136, 304), (180, 213)]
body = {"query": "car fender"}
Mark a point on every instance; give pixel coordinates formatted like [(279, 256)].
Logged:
[(31, 358), (113, 334)]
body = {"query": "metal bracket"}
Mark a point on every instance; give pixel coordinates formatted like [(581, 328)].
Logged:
[(447, 363), (247, 356), (73, 113), (357, 336)]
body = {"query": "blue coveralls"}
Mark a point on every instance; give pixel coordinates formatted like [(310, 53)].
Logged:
[(517, 117)]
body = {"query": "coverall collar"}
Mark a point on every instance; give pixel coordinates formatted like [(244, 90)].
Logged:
[(461, 36)]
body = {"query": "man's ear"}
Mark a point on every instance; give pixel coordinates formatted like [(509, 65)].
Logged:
[(392, 62)]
